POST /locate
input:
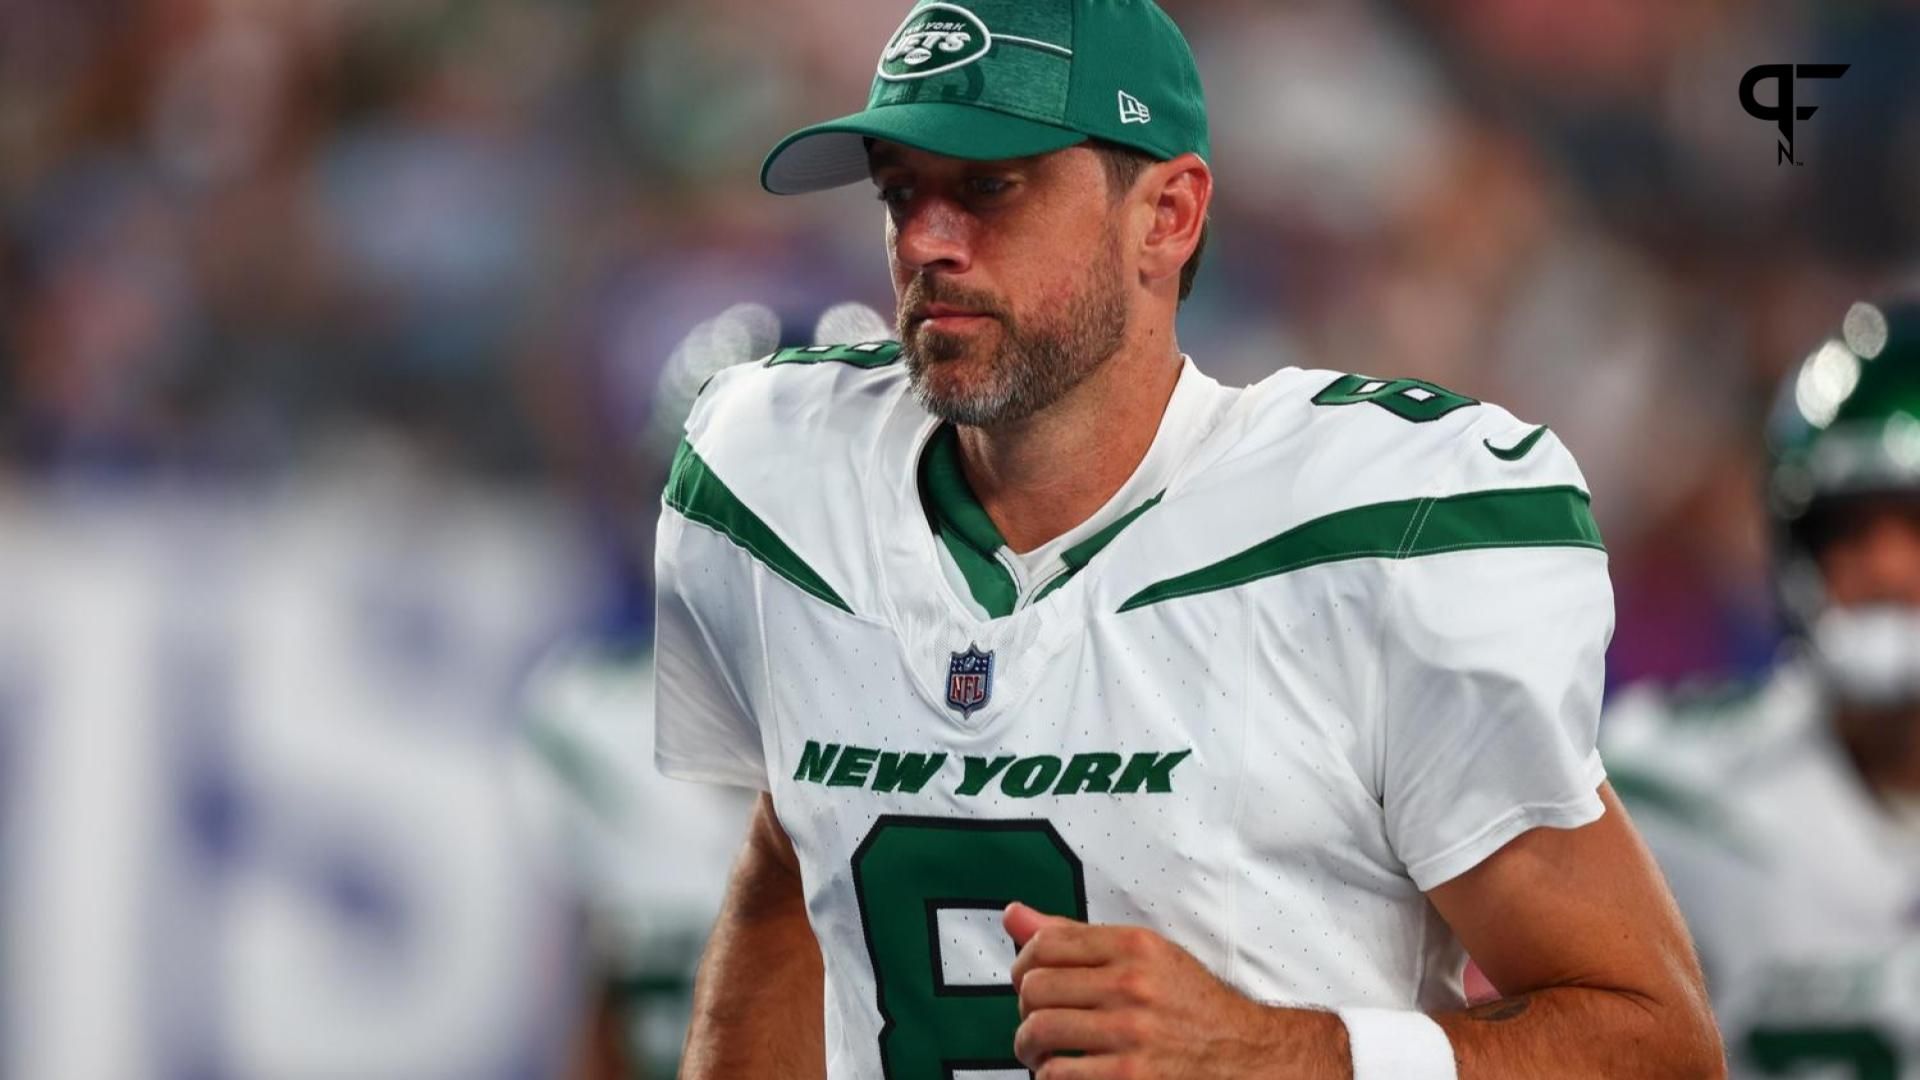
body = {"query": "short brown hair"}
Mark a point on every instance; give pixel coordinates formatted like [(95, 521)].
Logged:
[(1124, 165)]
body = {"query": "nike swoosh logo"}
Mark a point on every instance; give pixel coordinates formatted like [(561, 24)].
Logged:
[(1519, 449)]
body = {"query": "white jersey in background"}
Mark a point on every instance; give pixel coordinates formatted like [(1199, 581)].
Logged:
[(647, 856), (1349, 646), (1802, 891)]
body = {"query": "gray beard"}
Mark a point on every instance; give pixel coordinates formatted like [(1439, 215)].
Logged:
[(1033, 366), (1027, 376)]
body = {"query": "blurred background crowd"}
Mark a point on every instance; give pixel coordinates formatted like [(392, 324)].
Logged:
[(359, 309), (241, 235)]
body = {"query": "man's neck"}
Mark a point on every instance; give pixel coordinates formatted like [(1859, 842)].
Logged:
[(1042, 476)]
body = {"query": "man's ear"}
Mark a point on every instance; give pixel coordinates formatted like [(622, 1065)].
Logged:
[(1179, 194)]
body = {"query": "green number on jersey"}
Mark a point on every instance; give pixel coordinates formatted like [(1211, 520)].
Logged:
[(905, 872), (872, 354), (1409, 399), (1787, 1051)]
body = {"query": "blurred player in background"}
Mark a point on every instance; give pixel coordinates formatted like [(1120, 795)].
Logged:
[(1787, 815), (647, 856), (1227, 708)]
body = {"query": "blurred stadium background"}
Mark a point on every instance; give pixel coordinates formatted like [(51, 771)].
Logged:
[(332, 336)]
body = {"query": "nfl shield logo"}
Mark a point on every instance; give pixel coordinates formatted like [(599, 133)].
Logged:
[(969, 680)]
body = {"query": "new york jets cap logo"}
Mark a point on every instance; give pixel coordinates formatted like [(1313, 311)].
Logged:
[(934, 39)]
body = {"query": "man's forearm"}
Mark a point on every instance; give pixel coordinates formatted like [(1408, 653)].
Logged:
[(757, 1002), (1575, 1032), (1564, 1032)]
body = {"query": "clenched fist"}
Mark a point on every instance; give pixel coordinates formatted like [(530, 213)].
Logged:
[(1120, 1002)]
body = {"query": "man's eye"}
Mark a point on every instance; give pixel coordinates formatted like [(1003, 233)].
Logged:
[(895, 195), (988, 186)]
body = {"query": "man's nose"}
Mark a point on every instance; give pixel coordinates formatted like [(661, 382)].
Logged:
[(933, 234)]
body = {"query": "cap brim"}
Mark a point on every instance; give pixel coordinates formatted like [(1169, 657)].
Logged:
[(833, 154)]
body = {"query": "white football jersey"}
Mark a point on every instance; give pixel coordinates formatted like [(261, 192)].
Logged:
[(1352, 647), (1803, 892)]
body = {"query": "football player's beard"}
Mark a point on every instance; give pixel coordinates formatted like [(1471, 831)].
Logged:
[(1034, 362)]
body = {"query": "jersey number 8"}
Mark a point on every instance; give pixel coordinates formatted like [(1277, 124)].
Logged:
[(907, 871)]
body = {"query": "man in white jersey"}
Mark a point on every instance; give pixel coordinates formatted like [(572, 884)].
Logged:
[(1241, 714), (1787, 816)]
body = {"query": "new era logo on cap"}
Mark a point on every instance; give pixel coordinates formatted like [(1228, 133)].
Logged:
[(1133, 110)]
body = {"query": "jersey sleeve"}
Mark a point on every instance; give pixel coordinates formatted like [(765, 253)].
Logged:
[(706, 637), (1493, 659), (703, 728)]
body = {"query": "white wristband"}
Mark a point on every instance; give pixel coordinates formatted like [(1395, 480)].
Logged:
[(1394, 1044)]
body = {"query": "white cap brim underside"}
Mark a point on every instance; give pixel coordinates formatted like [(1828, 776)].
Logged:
[(817, 162)]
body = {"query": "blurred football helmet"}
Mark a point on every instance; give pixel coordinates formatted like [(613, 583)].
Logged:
[(1846, 427)]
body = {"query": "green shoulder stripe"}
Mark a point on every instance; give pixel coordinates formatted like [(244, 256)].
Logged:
[(1647, 795), (1517, 517), (696, 492), (1722, 703), (872, 354)]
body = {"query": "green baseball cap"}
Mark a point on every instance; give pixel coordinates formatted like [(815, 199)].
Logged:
[(993, 79)]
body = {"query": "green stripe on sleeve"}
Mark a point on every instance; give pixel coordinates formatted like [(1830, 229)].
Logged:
[(1516, 517), (696, 492), (1647, 795)]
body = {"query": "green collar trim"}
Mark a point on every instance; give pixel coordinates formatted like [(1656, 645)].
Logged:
[(950, 500), (975, 541), (963, 525), (1082, 553)]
